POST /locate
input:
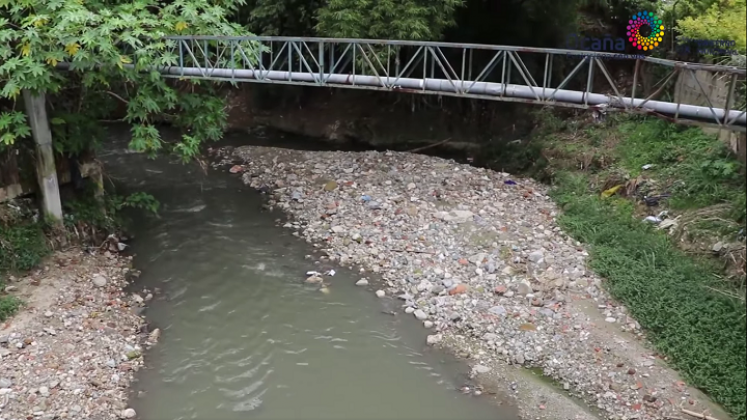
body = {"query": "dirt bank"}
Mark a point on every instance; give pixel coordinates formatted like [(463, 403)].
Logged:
[(72, 350), (478, 258), (377, 119)]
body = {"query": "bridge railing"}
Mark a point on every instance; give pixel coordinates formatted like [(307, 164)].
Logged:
[(553, 77)]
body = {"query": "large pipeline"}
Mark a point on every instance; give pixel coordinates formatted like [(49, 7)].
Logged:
[(694, 112)]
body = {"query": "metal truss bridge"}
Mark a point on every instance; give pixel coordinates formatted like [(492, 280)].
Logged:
[(492, 72)]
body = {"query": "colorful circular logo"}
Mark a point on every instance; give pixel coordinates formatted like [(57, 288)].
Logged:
[(645, 31)]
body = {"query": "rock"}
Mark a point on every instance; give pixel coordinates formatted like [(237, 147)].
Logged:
[(480, 369), (501, 290), (458, 216), (433, 339), (419, 314), (330, 186), (498, 310), (129, 413), (458, 289), (477, 259), (313, 279), (424, 285), (362, 282), (9, 289), (610, 319), (523, 288), (428, 324), (536, 256), (5, 383), (380, 293), (99, 280), (133, 354)]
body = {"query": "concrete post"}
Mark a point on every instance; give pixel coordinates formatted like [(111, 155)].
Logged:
[(46, 171)]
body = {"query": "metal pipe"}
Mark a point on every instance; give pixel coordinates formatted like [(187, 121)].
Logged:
[(480, 88)]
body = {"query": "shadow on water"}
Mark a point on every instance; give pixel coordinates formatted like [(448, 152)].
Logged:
[(243, 337)]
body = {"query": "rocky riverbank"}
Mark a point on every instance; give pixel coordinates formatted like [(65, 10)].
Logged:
[(477, 257), (73, 349)]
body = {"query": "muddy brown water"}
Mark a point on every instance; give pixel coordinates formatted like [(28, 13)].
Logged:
[(244, 338)]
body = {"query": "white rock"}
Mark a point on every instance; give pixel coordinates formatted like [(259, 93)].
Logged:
[(362, 282), (380, 293), (99, 280), (480, 369), (434, 339), (129, 413)]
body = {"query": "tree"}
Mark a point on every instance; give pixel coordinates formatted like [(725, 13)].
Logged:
[(387, 19), (113, 48), (281, 17), (722, 20)]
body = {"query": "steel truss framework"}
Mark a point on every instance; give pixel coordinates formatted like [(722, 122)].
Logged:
[(475, 71)]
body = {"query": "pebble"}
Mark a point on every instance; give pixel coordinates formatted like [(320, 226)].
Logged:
[(480, 369), (362, 282), (419, 314), (434, 339), (380, 293), (99, 280)]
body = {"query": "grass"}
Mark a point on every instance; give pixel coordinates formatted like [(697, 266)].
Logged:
[(691, 316), (698, 167), (702, 331), (22, 247)]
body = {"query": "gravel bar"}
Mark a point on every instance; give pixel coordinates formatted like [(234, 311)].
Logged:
[(477, 256)]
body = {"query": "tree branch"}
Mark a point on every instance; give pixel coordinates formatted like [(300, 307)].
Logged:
[(118, 97)]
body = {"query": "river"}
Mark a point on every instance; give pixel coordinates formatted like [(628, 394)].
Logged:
[(243, 336)]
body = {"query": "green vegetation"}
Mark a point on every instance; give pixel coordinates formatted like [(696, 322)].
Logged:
[(718, 20), (693, 312), (23, 243), (112, 47), (675, 298), (22, 246)]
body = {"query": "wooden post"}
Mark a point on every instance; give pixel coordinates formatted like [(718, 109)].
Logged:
[(46, 171)]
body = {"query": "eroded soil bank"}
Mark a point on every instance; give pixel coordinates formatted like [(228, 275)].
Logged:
[(477, 256)]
